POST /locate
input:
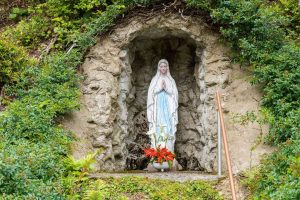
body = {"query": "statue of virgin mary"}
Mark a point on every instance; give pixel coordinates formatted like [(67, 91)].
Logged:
[(162, 105)]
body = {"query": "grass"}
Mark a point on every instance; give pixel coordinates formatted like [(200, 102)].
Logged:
[(130, 187)]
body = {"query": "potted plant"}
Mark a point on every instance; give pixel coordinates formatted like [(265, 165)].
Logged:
[(161, 158)]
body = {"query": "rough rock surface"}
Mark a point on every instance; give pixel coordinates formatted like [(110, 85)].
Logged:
[(118, 71)]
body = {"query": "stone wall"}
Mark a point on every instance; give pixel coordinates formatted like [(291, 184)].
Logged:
[(118, 71)]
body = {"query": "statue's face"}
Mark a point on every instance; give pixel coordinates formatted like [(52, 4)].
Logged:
[(163, 68)]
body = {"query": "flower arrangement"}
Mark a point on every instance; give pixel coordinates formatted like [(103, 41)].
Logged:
[(160, 155)]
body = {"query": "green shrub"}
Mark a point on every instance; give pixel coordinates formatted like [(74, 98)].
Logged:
[(14, 65), (252, 32), (278, 174), (31, 33), (13, 60), (57, 19), (14, 10), (26, 165), (33, 145), (259, 32), (17, 13), (206, 5)]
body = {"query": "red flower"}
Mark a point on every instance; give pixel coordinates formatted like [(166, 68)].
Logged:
[(169, 157), (164, 151), (150, 152), (159, 154), (159, 159)]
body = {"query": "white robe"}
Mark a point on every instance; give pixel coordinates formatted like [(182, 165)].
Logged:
[(171, 89)]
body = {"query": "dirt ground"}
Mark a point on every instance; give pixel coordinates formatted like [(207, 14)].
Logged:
[(244, 137)]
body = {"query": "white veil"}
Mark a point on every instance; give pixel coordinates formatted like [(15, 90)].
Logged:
[(172, 99)]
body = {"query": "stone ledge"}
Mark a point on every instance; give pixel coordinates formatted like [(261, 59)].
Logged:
[(181, 176)]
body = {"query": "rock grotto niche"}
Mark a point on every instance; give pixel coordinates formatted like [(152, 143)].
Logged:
[(186, 68), (118, 71), (145, 54)]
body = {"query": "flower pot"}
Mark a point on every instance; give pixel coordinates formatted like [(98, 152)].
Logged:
[(160, 166)]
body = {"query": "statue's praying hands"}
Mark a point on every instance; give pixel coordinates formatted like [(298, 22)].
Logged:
[(163, 85)]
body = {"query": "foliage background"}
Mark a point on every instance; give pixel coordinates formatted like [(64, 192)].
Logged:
[(39, 83)]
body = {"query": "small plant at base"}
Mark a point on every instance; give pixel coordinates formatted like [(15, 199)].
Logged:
[(159, 154)]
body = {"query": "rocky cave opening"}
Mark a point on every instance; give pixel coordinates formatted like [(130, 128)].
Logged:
[(144, 53), (118, 70)]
